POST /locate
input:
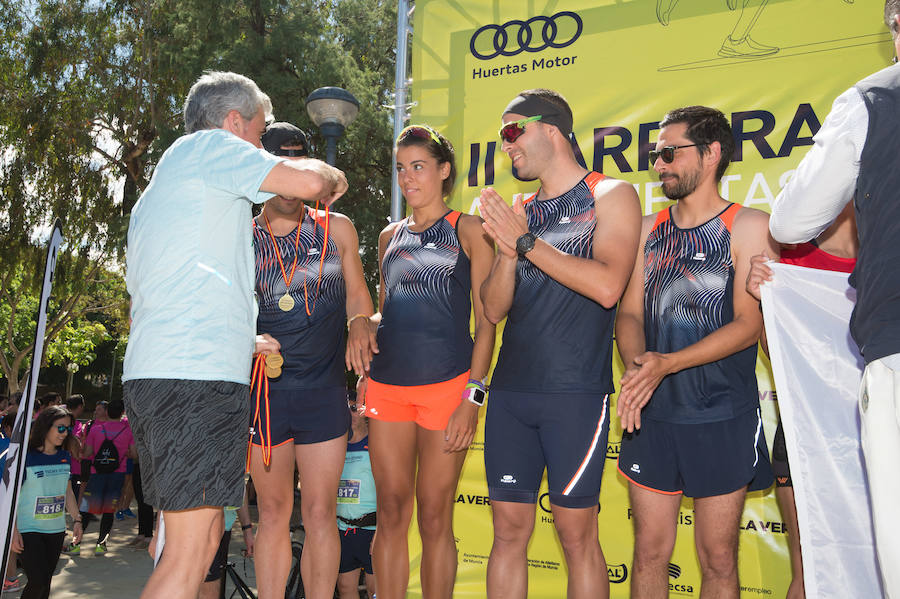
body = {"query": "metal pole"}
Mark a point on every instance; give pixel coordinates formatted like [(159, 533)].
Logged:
[(112, 372), (331, 152), (400, 85)]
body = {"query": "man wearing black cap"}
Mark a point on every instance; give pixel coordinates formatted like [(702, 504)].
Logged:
[(284, 139), (564, 257), (311, 292)]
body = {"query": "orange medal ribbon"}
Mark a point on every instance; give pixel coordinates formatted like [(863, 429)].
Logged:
[(321, 258), (287, 279), (260, 382)]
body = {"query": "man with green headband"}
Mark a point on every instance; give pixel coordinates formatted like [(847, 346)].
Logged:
[(564, 257)]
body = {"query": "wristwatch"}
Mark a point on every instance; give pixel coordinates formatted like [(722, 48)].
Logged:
[(525, 243), (475, 395)]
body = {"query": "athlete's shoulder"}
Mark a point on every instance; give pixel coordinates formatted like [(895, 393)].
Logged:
[(338, 222), (617, 197), (608, 187), (747, 219), (388, 232), (469, 221)]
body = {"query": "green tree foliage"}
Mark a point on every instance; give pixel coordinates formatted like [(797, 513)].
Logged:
[(91, 94)]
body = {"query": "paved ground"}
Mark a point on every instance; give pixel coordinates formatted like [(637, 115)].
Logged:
[(122, 571)]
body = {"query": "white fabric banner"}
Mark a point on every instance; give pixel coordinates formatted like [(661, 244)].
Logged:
[(817, 369)]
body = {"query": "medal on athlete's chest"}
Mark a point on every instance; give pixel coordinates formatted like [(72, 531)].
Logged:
[(286, 302)]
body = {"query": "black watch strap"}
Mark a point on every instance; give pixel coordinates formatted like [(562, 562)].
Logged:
[(525, 243)]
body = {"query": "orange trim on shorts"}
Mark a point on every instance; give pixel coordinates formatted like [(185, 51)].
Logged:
[(429, 406), (637, 484), (291, 440)]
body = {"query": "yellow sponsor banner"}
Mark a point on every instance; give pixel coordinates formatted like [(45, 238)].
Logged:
[(772, 66)]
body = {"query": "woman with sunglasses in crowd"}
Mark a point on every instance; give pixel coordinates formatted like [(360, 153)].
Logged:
[(426, 384), (44, 499)]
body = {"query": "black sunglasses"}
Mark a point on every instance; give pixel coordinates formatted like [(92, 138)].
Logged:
[(62, 429), (667, 153), (291, 153)]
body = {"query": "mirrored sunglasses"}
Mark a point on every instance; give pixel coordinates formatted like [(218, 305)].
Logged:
[(510, 132), (420, 131)]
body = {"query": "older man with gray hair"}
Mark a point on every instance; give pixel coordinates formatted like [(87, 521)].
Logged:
[(190, 273), (855, 158)]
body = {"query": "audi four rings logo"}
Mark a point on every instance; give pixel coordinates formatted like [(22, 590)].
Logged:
[(503, 45)]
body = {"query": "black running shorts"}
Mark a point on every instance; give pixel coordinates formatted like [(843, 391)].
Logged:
[(191, 438)]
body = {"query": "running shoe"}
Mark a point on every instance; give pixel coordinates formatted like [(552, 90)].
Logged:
[(128, 513), (72, 549), (100, 549), (120, 515), (11, 584)]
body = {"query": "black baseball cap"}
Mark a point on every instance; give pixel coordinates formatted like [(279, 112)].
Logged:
[(285, 134)]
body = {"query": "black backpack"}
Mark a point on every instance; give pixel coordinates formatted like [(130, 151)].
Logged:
[(106, 459)]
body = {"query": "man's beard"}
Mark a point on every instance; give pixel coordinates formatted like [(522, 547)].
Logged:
[(681, 186)]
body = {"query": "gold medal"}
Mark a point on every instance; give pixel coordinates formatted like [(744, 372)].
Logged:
[(274, 360), (273, 373), (286, 302)]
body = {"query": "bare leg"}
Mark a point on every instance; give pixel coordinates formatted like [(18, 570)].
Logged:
[(716, 522), (655, 523), (392, 450), (275, 500), (211, 589), (347, 584), (507, 571), (785, 496), (577, 530), (192, 538), (320, 476), (370, 585), (438, 475)]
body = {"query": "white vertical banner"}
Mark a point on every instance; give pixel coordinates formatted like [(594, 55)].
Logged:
[(817, 369), (14, 468)]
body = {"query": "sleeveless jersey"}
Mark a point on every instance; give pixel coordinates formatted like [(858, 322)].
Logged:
[(557, 340), (312, 346), (42, 500), (688, 294), (810, 256), (424, 334), (356, 493)]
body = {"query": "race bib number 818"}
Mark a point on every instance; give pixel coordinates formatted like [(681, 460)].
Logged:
[(48, 508)]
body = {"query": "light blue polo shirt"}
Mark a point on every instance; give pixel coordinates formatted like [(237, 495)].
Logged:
[(190, 268)]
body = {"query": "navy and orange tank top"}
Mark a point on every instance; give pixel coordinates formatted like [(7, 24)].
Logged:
[(688, 294), (312, 346), (424, 333), (557, 340)]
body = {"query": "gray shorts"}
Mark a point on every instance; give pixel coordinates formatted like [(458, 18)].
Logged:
[(191, 438)]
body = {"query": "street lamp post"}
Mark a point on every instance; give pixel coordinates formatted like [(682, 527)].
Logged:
[(332, 109)]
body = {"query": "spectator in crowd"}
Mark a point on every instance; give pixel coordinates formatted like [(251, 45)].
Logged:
[(75, 405), (44, 499), (356, 510), (108, 444)]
